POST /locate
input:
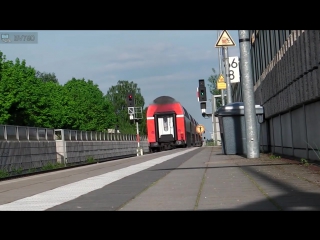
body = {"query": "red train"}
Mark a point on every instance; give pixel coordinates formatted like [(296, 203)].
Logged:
[(169, 125)]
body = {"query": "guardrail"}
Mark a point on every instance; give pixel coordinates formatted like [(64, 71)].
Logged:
[(76, 135), (22, 133), (26, 149)]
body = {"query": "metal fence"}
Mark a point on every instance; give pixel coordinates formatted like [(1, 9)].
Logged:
[(76, 135), (23, 133)]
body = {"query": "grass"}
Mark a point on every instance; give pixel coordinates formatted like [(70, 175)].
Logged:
[(51, 166), (16, 171), (304, 162), (274, 156), (32, 170), (4, 174), (213, 143), (316, 151), (91, 160), (47, 167)]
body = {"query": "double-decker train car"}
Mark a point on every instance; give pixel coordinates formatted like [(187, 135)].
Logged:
[(169, 125)]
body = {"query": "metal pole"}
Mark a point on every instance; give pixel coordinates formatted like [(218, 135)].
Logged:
[(214, 106), (226, 65), (138, 139), (248, 95), (220, 69), (212, 117)]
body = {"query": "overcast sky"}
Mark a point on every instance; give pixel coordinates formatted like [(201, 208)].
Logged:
[(161, 62)]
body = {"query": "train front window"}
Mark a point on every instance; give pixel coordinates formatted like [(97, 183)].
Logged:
[(165, 123)]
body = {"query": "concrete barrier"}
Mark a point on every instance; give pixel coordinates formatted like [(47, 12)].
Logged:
[(24, 149)]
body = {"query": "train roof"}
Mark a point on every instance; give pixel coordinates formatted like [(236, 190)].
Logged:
[(164, 100)]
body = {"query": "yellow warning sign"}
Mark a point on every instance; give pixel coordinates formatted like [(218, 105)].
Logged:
[(200, 128), (225, 40), (221, 85), (220, 79)]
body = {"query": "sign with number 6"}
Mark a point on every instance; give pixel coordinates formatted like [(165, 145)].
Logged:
[(234, 73)]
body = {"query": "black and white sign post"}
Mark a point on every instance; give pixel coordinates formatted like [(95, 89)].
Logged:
[(135, 114)]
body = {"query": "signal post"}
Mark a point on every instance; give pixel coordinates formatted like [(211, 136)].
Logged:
[(202, 96), (224, 42), (135, 114), (223, 83)]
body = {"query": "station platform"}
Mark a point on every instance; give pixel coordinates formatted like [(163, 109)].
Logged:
[(192, 179), (211, 181)]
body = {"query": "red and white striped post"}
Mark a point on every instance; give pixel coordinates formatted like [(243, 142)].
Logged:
[(139, 151), (138, 138)]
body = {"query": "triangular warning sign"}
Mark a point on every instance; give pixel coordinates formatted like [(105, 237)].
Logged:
[(225, 40), (220, 79)]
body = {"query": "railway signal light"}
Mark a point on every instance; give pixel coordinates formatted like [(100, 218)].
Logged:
[(201, 83), (202, 91), (130, 100)]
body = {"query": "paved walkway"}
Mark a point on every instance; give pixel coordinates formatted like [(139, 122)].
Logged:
[(193, 179), (212, 181)]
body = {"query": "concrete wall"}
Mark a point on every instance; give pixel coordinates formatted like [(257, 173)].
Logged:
[(293, 76), (23, 148), (295, 133), (28, 148), (80, 151), (289, 91), (25, 155)]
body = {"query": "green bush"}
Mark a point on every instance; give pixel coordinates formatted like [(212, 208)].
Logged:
[(91, 160), (274, 156), (16, 171), (4, 174)]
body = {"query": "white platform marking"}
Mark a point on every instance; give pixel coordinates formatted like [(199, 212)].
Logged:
[(57, 196)]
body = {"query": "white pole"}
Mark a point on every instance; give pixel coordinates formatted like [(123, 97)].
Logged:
[(138, 138)]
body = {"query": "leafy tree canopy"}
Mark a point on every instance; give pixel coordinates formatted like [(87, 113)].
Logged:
[(85, 108), (117, 96), (47, 77)]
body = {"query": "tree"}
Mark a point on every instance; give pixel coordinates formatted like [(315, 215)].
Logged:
[(19, 93), (31, 98), (117, 96), (51, 106), (25, 99), (47, 77), (85, 108), (213, 87)]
